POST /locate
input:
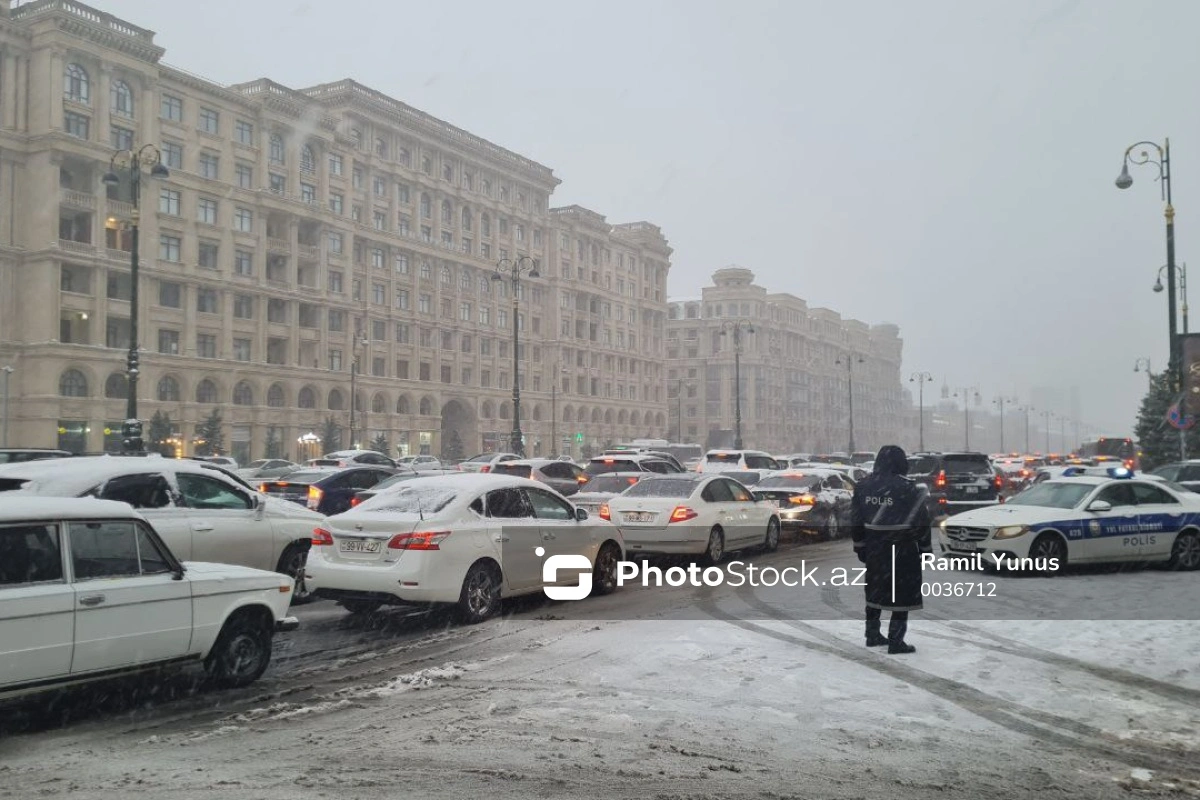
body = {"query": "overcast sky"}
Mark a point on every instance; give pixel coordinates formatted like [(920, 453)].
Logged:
[(946, 166)]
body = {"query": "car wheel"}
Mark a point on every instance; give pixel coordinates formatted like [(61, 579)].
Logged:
[(716, 547), (832, 527), (771, 540), (480, 595), (291, 563), (242, 651), (361, 607), (1185, 554), (1050, 546), (604, 571)]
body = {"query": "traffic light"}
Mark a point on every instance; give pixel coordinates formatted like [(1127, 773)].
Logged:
[(131, 436)]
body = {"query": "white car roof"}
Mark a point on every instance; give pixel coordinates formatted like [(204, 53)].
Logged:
[(17, 509), (70, 476)]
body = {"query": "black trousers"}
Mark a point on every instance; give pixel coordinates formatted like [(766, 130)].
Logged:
[(897, 626)]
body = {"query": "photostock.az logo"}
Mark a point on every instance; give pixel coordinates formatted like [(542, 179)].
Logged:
[(550, 570)]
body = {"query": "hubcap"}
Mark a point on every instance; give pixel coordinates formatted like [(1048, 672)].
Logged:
[(1049, 548), (479, 593), (715, 548), (244, 654), (772, 533)]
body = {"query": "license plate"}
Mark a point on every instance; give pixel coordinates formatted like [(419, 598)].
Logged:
[(358, 546), (972, 490), (639, 516), (966, 547)]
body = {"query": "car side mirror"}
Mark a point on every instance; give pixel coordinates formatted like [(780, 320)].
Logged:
[(581, 514), (1100, 506), (260, 505)]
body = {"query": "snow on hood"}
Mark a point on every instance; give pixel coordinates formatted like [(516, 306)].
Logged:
[(1004, 514), (209, 569)]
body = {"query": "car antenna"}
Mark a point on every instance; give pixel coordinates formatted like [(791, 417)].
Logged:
[(420, 509)]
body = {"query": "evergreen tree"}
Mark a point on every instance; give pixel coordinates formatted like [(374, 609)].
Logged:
[(452, 447), (273, 447), (331, 435), (212, 435), (158, 433), (380, 444), (1156, 438)]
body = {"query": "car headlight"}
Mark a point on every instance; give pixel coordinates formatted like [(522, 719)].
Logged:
[(942, 524), (1010, 532)]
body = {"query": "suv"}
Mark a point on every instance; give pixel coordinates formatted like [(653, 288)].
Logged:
[(88, 591), (560, 476), (629, 463), (957, 481)]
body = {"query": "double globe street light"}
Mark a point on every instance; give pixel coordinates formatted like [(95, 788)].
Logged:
[(511, 269), (736, 328)]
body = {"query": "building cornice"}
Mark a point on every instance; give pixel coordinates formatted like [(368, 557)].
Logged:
[(93, 25)]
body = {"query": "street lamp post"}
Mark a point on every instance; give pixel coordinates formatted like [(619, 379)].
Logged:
[(8, 371), (967, 393), (921, 378), (1062, 431), (1026, 409), (1000, 401), (737, 327), (510, 270), (850, 358), (132, 161), (1047, 416), (1144, 364), (359, 341)]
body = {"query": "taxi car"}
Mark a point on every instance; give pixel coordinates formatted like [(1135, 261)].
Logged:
[(1083, 516), (88, 591)]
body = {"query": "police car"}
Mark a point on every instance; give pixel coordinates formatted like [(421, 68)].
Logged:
[(1086, 515)]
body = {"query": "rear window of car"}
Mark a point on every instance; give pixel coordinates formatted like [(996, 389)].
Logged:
[(609, 483), (483, 457), (920, 465), (611, 465), (760, 462), (519, 470), (789, 482), (966, 465), (661, 487), (307, 477)]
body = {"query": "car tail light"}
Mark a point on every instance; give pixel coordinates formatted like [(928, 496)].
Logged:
[(604, 513), (322, 538), (632, 480), (999, 481), (941, 480), (417, 541), (486, 468), (802, 500), (262, 487), (355, 501), (682, 514), (314, 497)]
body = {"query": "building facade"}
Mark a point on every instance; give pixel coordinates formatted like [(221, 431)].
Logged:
[(796, 369), (305, 240)]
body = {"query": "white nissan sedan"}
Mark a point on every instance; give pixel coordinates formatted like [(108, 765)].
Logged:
[(468, 540), (692, 513)]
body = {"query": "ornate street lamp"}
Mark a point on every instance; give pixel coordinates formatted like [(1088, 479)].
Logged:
[(736, 328), (511, 270), (920, 378), (850, 360)]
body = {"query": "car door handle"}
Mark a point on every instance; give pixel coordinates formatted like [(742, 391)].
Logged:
[(547, 536), (202, 526), (91, 600), (501, 538)]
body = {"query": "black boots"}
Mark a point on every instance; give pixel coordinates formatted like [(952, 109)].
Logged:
[(898, 648), (876, 639), (897, 627)]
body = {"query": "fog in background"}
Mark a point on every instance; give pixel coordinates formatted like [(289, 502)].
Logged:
[(945, 166)]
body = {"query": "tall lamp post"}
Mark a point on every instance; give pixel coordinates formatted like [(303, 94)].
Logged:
[(1062, 432), (1143, 364), (967, 392), (359, 341), (8, 371), (1046, 417), (921, 378), (736, 328), (1000, 402), (510, 269), (850, 359), (1026, 409), (132, 162)]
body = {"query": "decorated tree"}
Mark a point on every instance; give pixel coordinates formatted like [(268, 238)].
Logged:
[(159, 432), (211, 434)]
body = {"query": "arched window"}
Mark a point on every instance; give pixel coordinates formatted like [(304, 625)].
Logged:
[(426, 165), (77, 86), (447, 213), (486, 411), (426, 407), (378, 404), (168, 389), (447, 172), (275, 396), (426, 206), (308, 161), (307, 398), (505, 410), (447, 277), (276, 149), (336, 401), (122, 99), (403, 157), (73, 383), (466, 218), (116, 387), (485, 225), (206, 392), (243, 395), (402, 404)]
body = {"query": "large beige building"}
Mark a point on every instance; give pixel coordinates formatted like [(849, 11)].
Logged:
[(796, 371), (298, 231)]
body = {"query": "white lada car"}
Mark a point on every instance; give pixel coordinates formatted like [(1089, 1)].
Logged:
[(1079, 518)]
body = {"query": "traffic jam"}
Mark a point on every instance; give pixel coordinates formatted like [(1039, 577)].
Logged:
[(115, 565)]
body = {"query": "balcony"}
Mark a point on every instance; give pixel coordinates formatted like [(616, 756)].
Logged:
[(70, 197), (310, 252), (280, 246), (83, 248), (118, 209)]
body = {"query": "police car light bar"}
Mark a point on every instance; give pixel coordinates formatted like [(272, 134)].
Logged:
[(1112, 472)]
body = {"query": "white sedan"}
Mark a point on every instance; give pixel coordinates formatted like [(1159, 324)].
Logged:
[(88, 591), (201, 512), (468, 540), (692, 513), (1082, 518)]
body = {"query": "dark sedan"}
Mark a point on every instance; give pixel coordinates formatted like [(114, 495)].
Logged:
[(399, 477), (816, 501), (327, 490)]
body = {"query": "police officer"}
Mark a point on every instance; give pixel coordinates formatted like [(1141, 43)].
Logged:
[(890, 524)]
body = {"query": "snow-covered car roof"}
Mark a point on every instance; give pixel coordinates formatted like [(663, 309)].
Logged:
[(71, 476), (456, 490), (16, 509)]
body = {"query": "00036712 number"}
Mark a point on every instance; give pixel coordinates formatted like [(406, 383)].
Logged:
[(958, 590)]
